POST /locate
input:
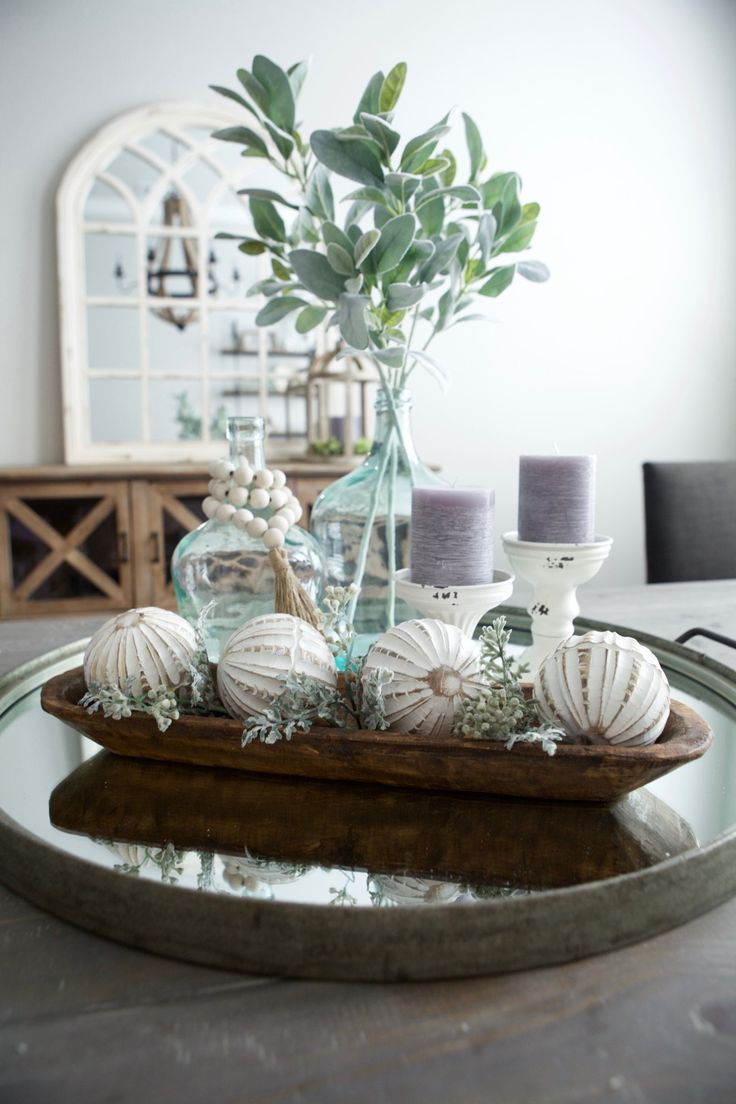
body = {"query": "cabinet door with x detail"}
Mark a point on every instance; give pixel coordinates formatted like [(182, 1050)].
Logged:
[(64, 547)]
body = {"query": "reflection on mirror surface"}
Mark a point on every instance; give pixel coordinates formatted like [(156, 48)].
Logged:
[(294, 840)]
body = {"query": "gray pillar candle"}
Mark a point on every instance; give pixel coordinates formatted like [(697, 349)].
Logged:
[(452, 536), (557, 499)]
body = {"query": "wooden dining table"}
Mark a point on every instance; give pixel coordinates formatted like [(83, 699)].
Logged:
[(84, 1019)]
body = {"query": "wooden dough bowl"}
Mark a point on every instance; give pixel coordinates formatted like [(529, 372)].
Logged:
[(574, 773)]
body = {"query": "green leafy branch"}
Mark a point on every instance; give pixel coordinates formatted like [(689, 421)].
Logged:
[(500, 710), (416, 246)]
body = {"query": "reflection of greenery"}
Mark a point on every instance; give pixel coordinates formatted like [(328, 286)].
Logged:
[(167, 859), (190, 424), (206, 875), (330, 446), (489, 892), (343, 896)]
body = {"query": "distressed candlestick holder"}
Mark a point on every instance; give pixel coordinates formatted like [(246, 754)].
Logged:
[(555, 571), (462, 606)]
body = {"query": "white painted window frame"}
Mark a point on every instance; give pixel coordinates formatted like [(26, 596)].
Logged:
[(89, 164)]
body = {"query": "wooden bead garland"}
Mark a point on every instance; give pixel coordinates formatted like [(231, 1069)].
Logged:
[(235, 491)]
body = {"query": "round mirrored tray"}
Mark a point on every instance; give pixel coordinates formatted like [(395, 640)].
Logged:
[(316, 879)]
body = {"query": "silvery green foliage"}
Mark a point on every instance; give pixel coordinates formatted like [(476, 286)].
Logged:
[(337, 628), (305, 702), (300, 705), (206, 874), (168, 859), (198, 695), (341, 895), (372, 703), (416, 245), (116, 703), (500, 711)]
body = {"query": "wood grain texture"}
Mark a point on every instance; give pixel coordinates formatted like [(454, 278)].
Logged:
[(465, 838), (87, 1021), (317, 467), (146, 502), (573, 773)]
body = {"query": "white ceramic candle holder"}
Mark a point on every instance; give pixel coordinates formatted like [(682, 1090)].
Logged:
[(462, 606), (555, 571)]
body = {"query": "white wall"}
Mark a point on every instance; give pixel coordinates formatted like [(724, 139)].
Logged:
[(619, 114)]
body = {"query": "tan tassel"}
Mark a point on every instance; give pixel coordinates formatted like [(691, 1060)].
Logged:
[(290, 596)]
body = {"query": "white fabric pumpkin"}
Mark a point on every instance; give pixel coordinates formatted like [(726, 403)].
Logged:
[(261, 655), (434, 667), (140, 650), (603, 688)]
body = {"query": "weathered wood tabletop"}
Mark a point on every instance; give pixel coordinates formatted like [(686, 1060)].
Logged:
[(85, 1020)]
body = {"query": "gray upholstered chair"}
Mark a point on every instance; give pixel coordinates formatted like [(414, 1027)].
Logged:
[(690, 518)]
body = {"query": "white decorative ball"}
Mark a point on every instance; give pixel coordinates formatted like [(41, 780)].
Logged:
[(603, 688), (259, 498), (264, 478), (278, 499), (287, 514), (279, 523), (241, 518), (141, 650), (237, 496), (219, 490), (434, 666), (257, 527), (279, 478), (243, 475), (210, 506), (259, 657), (273, 538), (224, 512)]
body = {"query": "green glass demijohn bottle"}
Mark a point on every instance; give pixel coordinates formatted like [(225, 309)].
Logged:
[(363, 520), (225, 572)]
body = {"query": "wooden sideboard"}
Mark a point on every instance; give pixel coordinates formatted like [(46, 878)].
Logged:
[(80, 540)]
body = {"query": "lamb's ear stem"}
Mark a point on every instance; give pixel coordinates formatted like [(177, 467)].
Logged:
[(389, 391), (368, 529), (391, 539)]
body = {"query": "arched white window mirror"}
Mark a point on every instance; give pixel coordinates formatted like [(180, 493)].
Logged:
[(159, 343)]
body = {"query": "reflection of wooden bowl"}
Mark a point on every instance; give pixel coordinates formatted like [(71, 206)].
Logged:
[(464, 838), (574, 773)]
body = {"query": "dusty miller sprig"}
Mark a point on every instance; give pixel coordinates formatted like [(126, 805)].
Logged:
[(117, 703), (197, 694), (500, 710), (168, 859), (337, 627), (305, 702)]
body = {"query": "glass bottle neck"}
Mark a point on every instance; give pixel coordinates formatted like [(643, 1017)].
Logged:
[(400, 416), (245, 437)]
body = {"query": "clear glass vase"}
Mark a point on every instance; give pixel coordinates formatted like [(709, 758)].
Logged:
[(225, 569), (362, 521)]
